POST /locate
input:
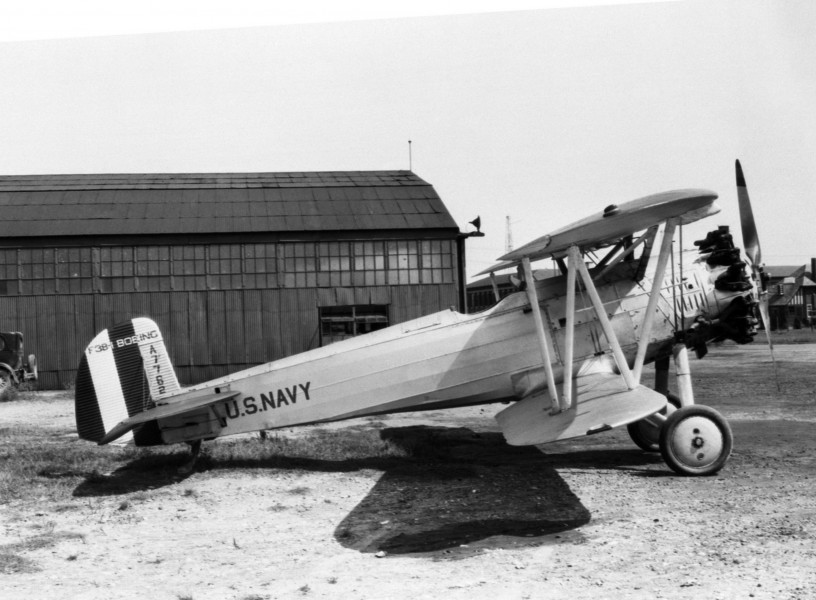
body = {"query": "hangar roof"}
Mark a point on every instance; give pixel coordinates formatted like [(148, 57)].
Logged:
[(207, 203)]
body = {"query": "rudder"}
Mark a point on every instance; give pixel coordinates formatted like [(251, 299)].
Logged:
[(123, 372)]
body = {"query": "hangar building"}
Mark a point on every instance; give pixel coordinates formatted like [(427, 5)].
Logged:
[(237, 269)]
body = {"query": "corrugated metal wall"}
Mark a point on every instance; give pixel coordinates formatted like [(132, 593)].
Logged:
[(208, 333)]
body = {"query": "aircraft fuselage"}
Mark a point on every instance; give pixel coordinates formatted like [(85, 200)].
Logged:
[(449, 359)]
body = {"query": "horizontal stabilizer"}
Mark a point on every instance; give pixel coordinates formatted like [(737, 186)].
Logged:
[(602, 402), (178, 405)]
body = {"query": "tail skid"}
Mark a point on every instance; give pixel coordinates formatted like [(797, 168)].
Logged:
[(123, 372)]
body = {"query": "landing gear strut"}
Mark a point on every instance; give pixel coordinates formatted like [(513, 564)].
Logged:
[(195, 450), (646, 432)]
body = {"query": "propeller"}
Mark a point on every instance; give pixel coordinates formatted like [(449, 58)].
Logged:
[(750, 240)]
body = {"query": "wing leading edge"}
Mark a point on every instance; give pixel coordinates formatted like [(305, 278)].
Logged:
[(613, 223)]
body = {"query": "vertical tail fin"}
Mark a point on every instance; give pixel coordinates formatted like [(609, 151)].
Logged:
[(122, 372)]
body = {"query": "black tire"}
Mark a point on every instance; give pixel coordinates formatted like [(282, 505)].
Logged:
[(6, 382), (646, 435), (696, 440)]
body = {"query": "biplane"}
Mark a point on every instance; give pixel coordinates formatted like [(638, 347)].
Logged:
[(566, 352)]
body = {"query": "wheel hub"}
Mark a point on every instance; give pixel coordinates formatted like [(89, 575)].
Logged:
[(697, 441)]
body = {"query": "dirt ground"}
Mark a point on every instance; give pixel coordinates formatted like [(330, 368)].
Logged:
[(588, 518)]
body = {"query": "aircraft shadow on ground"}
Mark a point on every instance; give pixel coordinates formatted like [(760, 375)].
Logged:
[(466, 492), (455, 493), (473, 491), (144, 473)]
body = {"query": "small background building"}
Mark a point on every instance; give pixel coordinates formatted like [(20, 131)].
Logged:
[(237, 269), (792, 295), (481, 295)]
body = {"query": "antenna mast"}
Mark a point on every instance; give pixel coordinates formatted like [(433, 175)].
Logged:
[(410, 161), (508, 236)]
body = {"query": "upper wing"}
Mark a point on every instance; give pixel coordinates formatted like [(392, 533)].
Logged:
[(614, 223), (179, 404), (601, 402)]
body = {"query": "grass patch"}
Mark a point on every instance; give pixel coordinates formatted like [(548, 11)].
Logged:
[(27, 390), (52, 464), (330, 446), (48, 464), (10, 394)]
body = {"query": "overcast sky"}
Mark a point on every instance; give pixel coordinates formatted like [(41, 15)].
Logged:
[(542, 115)]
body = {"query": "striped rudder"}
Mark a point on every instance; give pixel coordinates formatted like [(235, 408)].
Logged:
[(122, 373)]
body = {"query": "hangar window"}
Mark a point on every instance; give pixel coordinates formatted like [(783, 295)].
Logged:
[(369, 263), (260, 266), (74, 270), (37, 267), (152, 265), (189, 267), (116, 261), (403, 262), (299, 265), (342, 322), (152, 261), (437, 261), (224, 266), (8, 264)]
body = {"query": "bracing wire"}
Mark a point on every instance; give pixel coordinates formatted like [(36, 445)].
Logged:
[(673, 287), (682, 284)]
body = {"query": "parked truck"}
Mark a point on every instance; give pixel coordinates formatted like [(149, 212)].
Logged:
[(15, 367)]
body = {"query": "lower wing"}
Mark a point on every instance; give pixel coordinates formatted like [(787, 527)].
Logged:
[(601, 402)]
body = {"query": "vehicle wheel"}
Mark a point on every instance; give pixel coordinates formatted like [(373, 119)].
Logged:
[(646, 435), (696, 440), (5, 381)]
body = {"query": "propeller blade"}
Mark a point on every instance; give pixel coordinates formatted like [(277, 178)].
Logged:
[(766, 321), (750, 239)]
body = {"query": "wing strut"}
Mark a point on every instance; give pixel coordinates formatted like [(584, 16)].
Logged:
[(495, 286), (575, 264), (654, 296), (541, 332), (573, 258), (622, 256), (606, 325)]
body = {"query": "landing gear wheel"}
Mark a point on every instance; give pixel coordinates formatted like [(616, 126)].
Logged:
[(696, 440), (646, 435)]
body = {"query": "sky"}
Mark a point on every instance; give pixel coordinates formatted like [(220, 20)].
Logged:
[(542, 115)]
